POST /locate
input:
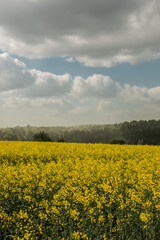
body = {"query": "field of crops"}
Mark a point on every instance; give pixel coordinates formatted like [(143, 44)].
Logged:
[(79, 191)]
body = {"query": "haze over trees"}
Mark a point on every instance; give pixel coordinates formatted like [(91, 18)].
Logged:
[(134, 132)]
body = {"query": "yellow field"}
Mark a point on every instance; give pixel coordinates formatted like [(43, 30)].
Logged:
[(79, 191)]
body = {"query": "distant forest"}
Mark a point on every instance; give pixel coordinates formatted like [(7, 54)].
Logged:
[(135, 132)]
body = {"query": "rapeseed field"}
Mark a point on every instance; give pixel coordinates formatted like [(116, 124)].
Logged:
[(79, 191)]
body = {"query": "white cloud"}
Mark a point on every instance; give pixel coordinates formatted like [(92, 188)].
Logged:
[(70, 59), (48, 84), (96, 33), (16, 78), (43, 98), (96, 86), (13, 73), (154, 94), (134, 94)]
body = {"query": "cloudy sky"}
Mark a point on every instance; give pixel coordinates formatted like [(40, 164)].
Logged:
[(71, 62)]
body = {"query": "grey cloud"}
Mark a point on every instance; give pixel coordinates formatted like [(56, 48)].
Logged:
[(97, 33), (57, 18)]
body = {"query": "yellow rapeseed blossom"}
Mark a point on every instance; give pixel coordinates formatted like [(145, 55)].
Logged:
[(79, 191)]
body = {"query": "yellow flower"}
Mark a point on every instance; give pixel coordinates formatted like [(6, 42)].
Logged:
[(145, 217), (50, 188)]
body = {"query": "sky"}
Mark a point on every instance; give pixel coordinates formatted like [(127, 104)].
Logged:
[(73, 62)]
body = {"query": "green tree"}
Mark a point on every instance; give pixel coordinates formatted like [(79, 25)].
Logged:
[(60, 140), (42, 137)]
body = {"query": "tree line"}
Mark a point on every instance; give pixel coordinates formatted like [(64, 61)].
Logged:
[(134, 132)]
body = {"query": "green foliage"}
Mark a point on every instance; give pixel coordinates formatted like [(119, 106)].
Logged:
[(60, 140), (41, 137), (117, 141)]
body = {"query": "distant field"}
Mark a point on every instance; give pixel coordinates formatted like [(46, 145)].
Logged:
[(79, 191)]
